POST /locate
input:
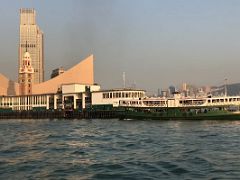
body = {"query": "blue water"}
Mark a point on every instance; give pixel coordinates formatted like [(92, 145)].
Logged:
[(114, 149)]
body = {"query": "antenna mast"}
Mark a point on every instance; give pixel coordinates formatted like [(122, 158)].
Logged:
[(26, 46), (225, 86), (124, 80)]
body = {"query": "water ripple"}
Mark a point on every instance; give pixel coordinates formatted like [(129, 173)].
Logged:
[(113, 149)]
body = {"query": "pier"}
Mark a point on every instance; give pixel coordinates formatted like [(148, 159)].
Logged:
[(86, 114)]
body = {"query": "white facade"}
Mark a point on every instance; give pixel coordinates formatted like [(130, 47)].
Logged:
[(112, 97), (74, 96), (182, 102)]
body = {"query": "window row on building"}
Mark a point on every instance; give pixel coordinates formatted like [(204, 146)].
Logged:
[(23, 100), (223, 100), (28, 45), (110, 95)]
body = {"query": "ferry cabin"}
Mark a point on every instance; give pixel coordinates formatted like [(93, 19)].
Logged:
[(182, 102)]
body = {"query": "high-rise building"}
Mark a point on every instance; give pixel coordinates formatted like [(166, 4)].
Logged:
[(32, 34)]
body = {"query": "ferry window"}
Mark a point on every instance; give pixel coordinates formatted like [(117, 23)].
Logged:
[(119, 94), (110, 95), (114, 95), (123, 95), (209, 101)]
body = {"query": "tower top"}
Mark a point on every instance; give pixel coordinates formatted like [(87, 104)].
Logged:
[(27, 10), (27, 16)]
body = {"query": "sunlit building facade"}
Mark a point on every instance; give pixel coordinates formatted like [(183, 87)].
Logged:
[(71, 89), (31, 37)]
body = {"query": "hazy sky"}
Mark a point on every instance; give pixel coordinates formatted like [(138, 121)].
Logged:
[(156, 42)]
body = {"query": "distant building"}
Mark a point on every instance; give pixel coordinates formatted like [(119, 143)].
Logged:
[(184, 87), (31, 33), (57, 72), (171, 89), (164, 93)]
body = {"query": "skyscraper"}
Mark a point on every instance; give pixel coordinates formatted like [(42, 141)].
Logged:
[(31, 37)]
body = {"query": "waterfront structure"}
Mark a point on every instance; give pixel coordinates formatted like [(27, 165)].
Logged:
[(71, 89), (71, 96), (112, 97), (26, 75), (82, 73), (31, 33), (74, 89), (57, 72)]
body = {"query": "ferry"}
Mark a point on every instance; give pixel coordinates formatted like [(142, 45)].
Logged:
[(181, 108)]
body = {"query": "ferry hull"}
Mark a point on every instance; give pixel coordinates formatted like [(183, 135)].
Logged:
[(152, 117), (202, 116)]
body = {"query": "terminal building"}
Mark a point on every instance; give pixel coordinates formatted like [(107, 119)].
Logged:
[(71, 89), (74, 89)]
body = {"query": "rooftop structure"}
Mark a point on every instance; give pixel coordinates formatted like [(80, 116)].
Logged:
[(57, 72)]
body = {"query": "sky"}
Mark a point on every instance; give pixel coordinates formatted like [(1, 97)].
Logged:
[(157, 43)]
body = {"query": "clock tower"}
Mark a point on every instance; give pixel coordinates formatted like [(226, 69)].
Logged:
[(26, 72)]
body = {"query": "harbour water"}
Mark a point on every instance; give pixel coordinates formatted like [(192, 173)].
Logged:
[(117, 149)]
